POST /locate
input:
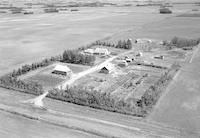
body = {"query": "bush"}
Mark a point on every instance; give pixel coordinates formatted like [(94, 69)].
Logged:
[(184, 42), (126, 44), (26, 68), (73, 56), (152, 95), (10, 82), (95, 99)]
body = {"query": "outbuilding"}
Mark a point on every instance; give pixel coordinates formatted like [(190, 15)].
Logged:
[(127, 59), (123, 63), (139, 54), (107, 69), (62, 70)]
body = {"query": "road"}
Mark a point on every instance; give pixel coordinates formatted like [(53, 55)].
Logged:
[(77, 76), (13, 126), (81, 118)]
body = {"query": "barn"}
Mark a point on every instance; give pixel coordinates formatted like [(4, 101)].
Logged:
[(62, 70)]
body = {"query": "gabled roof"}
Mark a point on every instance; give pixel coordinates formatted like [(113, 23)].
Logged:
[(62, 68), (109, 66)]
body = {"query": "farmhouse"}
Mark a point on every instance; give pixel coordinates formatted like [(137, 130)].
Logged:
[(101, 51), (89, 51), (107, 69), (62, 70)]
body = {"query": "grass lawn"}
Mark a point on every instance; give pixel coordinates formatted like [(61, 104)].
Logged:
[(47, 81)]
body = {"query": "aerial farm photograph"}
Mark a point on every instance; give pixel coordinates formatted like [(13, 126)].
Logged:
[(99, 69)]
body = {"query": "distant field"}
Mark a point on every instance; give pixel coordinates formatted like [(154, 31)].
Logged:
[(30, 38), (33, 37)]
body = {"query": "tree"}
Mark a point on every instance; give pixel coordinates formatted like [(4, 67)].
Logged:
[(119, 44), (129, 44)]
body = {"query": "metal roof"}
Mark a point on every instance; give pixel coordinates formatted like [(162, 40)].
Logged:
[(109, 66), (62, 68)]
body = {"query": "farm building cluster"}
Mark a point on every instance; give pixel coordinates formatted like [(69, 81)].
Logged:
[(129, 74), (132, 73)]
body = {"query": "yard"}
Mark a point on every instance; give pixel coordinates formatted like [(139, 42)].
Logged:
[(48, 80)]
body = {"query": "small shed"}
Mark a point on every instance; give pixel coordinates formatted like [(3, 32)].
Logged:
[(139, 54), (128, 59), (62, 70), (107, 69), (159, 57), (101, 51), (123, 63)]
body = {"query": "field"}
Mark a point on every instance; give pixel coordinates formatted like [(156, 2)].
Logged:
[(183, 94), (37, 34), (27, 39)]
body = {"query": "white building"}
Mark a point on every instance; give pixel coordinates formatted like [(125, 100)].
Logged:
[(89, 51), (101, 51), (62, 70)]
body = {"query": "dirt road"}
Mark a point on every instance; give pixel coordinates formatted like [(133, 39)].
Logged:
[(77, 76)]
